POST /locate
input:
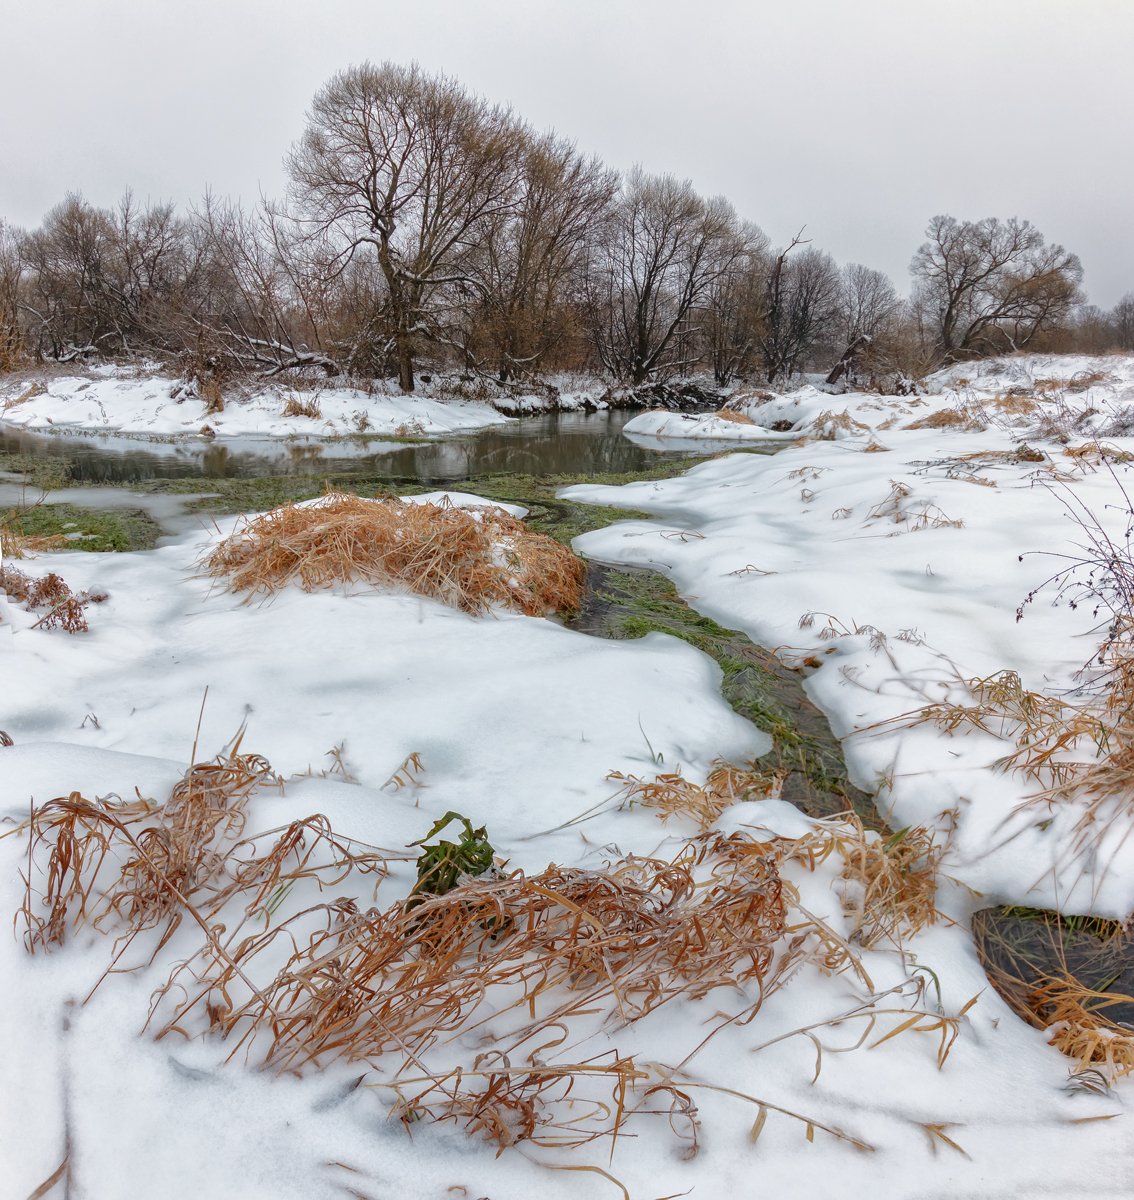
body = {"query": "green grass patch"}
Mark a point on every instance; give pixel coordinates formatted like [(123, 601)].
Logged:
[(97, 530)]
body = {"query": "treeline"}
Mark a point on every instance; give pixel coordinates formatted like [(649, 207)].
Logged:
[(423, 225)]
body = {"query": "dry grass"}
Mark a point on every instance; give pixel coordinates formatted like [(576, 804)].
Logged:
[(965, 415), (736, 417), (828, 425), (672, 795), (915, 516), (65, 609), (209, 390), (1073, 1013), (296, 407), (525, 964), (1076, 384), (468, 558), (1097, 454), (890, 883), (1075, 1016), (1010, 405), (14, 545), (29, 393)]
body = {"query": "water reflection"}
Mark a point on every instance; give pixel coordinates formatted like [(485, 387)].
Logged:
[(564, 443)]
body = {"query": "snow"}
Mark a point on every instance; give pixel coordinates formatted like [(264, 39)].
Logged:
[(517, 722), (900, 570), (154, 406)]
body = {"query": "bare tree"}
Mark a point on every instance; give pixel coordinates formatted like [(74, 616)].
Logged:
[(1123, 318), (801, 301), (261, 314), (989, 286), (734, 308), (11, 279), (868, 304), (665, 249), (530, 255), (407, 168), (65, 300)]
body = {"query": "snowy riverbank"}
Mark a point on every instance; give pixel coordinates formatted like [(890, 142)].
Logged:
[(113, 401), (884, 562)]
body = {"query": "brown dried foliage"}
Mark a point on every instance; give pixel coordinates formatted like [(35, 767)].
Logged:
[(158, 858), (209, 389), (540, 958), (828, 425), (66, 610), (963, 416), (470, 559), (892, 881), (673, 795), (735, 416), (295, 407)]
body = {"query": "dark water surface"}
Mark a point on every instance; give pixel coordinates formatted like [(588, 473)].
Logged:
[(558, 444)]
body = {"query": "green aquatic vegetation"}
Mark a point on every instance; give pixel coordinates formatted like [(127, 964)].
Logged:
[(97, 530), (630, 604)]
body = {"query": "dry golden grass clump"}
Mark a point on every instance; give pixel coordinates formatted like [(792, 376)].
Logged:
[(469, 558), (1077, 383), (735, 416), (15, 545), (828, 425), (1010, 405), (29, 393), (673, 795), (65, 609), (891, 882), (1075, 1016), (209, 390), (295, 407), (964, 416), (1035, 979)]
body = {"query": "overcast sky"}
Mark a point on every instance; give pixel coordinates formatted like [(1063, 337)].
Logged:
[(857, 118)]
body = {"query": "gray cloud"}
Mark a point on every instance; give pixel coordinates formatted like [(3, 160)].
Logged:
[(860, 120)]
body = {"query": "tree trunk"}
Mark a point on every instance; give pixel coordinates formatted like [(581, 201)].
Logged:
[(405, 362)]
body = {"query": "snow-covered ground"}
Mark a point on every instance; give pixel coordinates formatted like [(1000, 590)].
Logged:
[(1046, 395), (112, 401), (881, 554), (887, 547)]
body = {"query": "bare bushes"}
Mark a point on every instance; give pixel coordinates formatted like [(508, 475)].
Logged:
[(468, 558), (51, 595)]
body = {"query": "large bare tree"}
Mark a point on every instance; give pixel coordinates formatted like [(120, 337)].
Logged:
[(801, 303), (409, 168), (664, 250), (532, 254), (990, 286)]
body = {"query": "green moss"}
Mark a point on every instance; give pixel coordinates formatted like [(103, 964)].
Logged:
[(630, 604), (97, 530)]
